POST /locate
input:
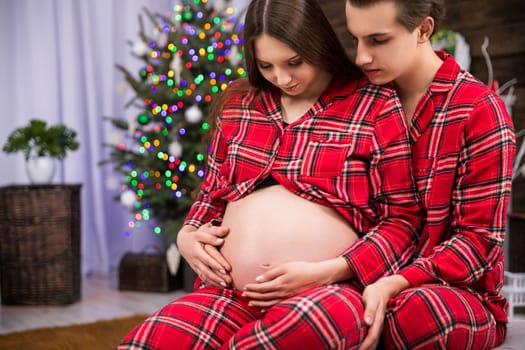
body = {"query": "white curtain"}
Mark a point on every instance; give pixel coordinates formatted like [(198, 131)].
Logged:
[(58, 62)]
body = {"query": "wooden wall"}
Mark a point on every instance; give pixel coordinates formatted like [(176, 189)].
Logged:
[(503, 22)]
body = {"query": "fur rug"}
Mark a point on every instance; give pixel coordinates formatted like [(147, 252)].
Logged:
[(99, 335), (105, 335)]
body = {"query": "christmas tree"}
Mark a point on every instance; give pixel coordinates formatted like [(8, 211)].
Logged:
[(192, 55)]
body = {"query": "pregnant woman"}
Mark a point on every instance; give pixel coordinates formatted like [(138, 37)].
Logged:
[(308, 198)]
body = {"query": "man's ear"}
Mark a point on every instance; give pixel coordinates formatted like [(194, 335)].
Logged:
[(426, 28)]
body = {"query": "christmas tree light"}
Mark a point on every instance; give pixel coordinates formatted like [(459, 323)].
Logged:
[(192, 55)]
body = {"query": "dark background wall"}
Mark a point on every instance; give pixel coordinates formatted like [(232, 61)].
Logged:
[(503, 22)]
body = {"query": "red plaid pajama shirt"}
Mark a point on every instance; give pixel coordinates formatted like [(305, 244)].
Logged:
[(463, 146), (350, 151)]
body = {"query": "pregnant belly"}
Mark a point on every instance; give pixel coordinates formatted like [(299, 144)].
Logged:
[(272, 226)]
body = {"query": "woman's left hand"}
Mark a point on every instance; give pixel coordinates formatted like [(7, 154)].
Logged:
[(288, 279)]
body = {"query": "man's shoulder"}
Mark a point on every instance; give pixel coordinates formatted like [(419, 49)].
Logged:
[(468, 88)]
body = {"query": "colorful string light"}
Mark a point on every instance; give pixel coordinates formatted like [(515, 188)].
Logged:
[(193, 56)]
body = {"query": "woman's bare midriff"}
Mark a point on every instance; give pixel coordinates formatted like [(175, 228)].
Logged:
[(272, 226)]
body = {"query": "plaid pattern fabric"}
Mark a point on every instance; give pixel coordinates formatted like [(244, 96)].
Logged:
[(328, 317), (350, 151), (463, 147), (440, 317)]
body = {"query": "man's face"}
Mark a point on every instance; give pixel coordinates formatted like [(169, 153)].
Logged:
[(385, 49)]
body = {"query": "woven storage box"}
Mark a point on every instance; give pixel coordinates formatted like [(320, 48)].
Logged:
[(147, 272), (40, 244), (516, 242), (514, 291)]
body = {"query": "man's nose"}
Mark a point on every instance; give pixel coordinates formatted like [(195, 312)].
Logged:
[(363, 56)]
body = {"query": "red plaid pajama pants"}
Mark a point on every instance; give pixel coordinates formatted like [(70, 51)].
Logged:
[(328, 317), (439, 317), (320, 318)]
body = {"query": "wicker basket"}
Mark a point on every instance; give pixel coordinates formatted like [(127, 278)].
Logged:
[(147, 271), (40, 244)]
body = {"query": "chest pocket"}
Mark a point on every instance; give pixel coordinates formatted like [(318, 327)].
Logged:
[(435, 179), (244, 162), (422, 171), (325, 157), (336, 168), (249, 152)]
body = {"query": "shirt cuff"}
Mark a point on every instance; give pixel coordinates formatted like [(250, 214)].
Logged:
[(416, 275), (366, 263)]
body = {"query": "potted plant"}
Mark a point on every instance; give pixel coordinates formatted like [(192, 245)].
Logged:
[(41, 146)]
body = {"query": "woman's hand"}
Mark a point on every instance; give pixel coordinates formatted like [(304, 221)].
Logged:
[(280, 283), (200, 248), (375, 299), (288, 279)]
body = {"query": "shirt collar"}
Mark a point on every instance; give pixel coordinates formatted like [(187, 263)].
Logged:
[(337, 89), (442, 83), (268, 102), (446, 75)]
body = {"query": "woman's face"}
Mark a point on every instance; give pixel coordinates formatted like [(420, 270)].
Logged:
[(385, 49), (285, 68)]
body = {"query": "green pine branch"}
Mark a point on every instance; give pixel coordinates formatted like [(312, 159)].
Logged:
[(166, 186)]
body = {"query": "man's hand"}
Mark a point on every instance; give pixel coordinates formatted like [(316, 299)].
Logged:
[(375, 299)]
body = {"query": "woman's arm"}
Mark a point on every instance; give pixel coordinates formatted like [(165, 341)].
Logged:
[(206, 208), (200, 249), (198, 240)]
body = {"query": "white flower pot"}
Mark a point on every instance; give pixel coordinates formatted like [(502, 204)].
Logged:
[(41, 169)]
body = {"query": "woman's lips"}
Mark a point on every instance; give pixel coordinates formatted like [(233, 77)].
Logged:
[(289, 88)]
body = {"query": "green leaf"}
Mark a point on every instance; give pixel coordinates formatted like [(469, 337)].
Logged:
[(37, 139)]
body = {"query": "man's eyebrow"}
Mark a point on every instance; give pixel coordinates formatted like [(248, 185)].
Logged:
[(376, 34), (371, 35)]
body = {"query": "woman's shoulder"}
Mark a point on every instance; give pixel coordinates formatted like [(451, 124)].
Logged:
[(238, 91), (240, 98), (366, 101), (358, 89), (365, 87)]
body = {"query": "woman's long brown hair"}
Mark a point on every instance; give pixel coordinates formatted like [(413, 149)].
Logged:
[(300, 24)]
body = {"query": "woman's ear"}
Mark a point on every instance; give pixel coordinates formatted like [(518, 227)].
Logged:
[(426, 28)]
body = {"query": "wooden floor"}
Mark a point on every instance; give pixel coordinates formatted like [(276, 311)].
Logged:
[(100, 299)]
